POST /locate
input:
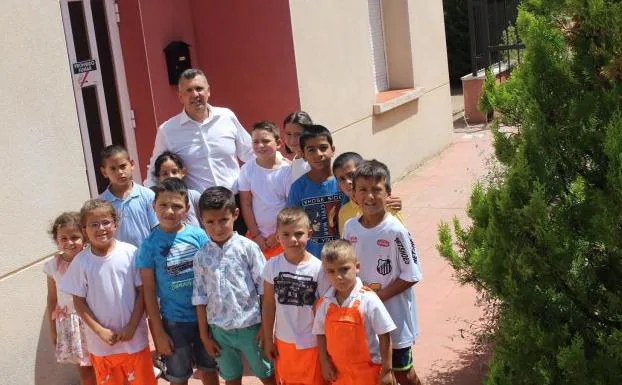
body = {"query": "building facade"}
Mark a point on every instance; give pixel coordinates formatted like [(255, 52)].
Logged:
[(82, 74)]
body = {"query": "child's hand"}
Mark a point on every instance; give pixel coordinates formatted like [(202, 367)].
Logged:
[(108, 336), (386, 378), (394, 203), (164, 344), (269, 349), (271, 240), (126, 333), (259, 338), (211, 346), (260, 241), (328, 370)]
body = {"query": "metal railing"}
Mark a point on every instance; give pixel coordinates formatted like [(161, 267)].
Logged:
[(493, 36)]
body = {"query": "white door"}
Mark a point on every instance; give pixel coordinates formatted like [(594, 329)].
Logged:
[(99, 83)]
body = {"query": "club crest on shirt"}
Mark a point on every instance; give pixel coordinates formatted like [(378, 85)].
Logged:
[(384, 266)]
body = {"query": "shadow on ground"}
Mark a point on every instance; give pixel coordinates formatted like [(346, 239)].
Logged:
[(469, 369)]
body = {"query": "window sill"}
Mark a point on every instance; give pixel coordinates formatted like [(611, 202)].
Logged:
[(388, 100)]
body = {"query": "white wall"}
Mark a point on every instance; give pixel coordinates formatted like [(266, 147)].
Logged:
[(43, 174), (334, 69)]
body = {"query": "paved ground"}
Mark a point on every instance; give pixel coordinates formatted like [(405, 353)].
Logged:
[(436, 191)]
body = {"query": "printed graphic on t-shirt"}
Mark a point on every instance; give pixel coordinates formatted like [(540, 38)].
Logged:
[(294, 289), (178, 259), (384, 266), (323, 212)]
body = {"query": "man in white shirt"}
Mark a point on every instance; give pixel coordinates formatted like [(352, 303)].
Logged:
[(209, 139)]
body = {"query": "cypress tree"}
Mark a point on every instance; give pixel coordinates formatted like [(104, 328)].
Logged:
[(545, 235)]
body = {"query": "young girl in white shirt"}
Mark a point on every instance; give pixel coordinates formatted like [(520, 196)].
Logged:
[(293, 126), (66, 327), (107, 293), (170, 165)]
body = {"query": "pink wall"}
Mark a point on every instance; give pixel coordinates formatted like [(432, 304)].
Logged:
[(247, 51), (146, 27)]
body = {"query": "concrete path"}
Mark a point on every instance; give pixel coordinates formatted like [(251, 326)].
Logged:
[(440, 190)]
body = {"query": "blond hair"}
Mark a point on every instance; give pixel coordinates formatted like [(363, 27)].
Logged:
[(291, 215), (96, 204), (338, 249)]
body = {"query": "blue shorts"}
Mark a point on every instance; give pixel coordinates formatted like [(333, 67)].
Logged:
[(402, 359), (189, 351), (234, 343)]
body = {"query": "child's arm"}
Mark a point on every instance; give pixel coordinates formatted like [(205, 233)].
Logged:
[(268, 312), (246, 205), (398, 286), (407, 264), (208, 342), (386, 360), (163, 342), (128, 331), (85, 312), (52, 301), (328, 369)]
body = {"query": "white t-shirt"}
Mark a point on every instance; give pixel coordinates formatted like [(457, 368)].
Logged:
[(377, 319), (109, 285), (63, 300), (387, 252), (269, 189), (296, 288), (299, 168)]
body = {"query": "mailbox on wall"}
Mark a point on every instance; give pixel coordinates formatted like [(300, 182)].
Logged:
[(177, 55)]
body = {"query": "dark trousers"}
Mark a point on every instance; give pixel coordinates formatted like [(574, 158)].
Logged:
[(239, 224)]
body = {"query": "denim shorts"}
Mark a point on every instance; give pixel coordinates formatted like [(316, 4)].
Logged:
[(188, 351)]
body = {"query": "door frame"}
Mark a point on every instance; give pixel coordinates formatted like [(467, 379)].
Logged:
[(126, 112)]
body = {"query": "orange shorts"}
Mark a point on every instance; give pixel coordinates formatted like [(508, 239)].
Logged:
[(297, 366), (124, 368)]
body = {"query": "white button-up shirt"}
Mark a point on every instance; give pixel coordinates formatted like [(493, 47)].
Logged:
[(210, 149)]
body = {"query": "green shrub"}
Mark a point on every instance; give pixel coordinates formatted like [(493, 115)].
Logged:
[(545, 242)]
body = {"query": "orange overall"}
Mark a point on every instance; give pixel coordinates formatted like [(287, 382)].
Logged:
[(124, 368), (297, 366), (346, 343)]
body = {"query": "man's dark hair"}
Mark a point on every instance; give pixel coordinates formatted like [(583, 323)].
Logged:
[(173, 185), (216, 198), (312, 131), (112, 150), (375, 170), (191, 73), (344, 158)]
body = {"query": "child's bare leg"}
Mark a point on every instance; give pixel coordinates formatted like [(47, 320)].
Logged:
[(208, 377), (87, 375), (407, 377), (237, 381), (268, 380)]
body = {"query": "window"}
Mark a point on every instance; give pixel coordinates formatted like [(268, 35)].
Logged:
[(379, 59)]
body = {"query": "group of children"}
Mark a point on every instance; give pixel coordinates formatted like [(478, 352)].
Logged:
[(318, 291)]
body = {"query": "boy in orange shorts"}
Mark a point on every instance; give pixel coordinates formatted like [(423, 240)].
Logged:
[(292, 283), (351, 324)]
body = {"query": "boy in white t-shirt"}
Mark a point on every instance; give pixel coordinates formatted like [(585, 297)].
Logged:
[(292, 283), (351, 324), (388, 259), (263, 185)]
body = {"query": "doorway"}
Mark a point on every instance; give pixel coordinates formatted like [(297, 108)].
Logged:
[(99, 83)]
